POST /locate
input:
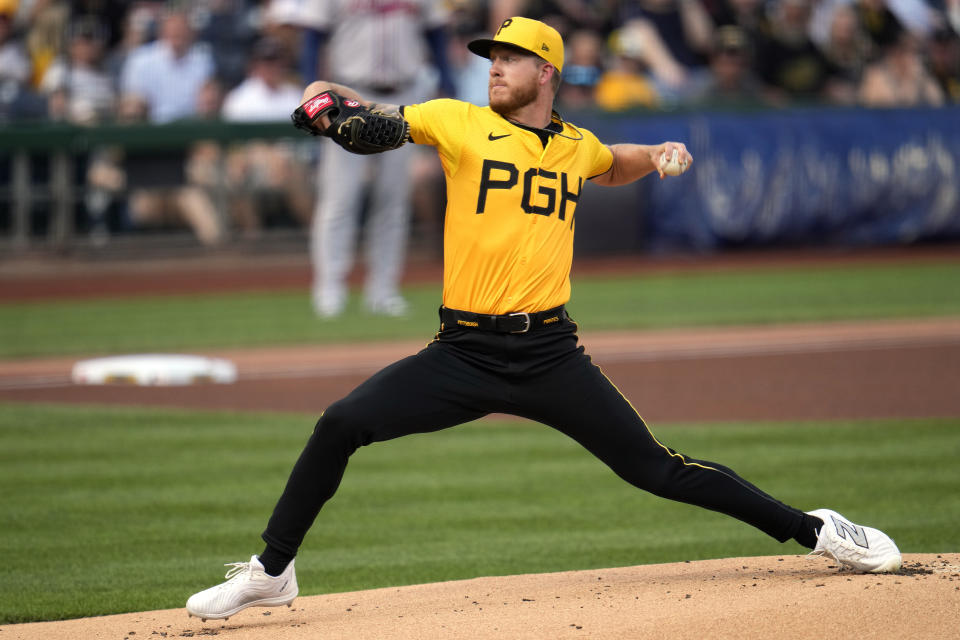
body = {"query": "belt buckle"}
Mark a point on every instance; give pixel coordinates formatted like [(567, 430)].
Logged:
[(526, 317)]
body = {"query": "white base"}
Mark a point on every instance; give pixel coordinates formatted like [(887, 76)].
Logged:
[(154, 369)]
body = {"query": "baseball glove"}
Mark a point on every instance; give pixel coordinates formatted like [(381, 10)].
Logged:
[(352, 126)]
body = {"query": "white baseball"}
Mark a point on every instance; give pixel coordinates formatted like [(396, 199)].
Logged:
[(672, 167)]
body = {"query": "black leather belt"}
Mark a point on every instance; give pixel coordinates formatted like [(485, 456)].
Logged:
[(520, 322)]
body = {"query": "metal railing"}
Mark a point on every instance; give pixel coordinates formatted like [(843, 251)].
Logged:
[(38, 171)]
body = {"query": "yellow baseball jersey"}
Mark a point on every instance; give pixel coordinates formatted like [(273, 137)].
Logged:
[(508, 233)]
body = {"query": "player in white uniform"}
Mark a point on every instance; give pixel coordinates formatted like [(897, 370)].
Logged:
[(381, 47)]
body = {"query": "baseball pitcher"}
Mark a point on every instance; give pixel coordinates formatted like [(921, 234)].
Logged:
[(506, 343)]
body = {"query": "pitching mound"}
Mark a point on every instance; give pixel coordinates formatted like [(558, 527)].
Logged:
[(770, 597)]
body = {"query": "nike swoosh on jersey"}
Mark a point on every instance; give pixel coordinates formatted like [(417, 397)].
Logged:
[(492, 137)]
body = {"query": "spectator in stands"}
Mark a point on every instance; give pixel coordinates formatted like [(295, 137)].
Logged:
[(627, 82), (733, 82), (267, 93), (848, 50), (210, 100), (944, 56), (17, 99), (638, 66), (582, 70), (160, 186), (881, 20), (685, 30), (788, 61), (108, 16), (45, 36), (230, 28), (879, 23), (167, 74), (566, 16), (139, 28), (14, 62), (899, 79), (268, 179), (78, 88)]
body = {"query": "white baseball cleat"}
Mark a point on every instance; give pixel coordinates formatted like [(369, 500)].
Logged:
[(247, 585), (860, 548), (391, 306), (330, 302)]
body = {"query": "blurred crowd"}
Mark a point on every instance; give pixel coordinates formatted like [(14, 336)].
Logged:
[(768, 53), (146, 61), (90, 61)]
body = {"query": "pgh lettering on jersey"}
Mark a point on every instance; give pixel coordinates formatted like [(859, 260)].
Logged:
[(511, 201)]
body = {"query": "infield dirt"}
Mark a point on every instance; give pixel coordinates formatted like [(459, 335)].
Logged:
[(793, 597), (813, 372)]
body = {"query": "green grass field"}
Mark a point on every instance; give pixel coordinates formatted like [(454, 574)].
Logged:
[(642, 302), (109, 510)]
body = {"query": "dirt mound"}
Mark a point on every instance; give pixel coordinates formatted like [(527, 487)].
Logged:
[(768, 597)]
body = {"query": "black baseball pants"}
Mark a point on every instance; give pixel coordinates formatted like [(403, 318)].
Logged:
[(542, 375)]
